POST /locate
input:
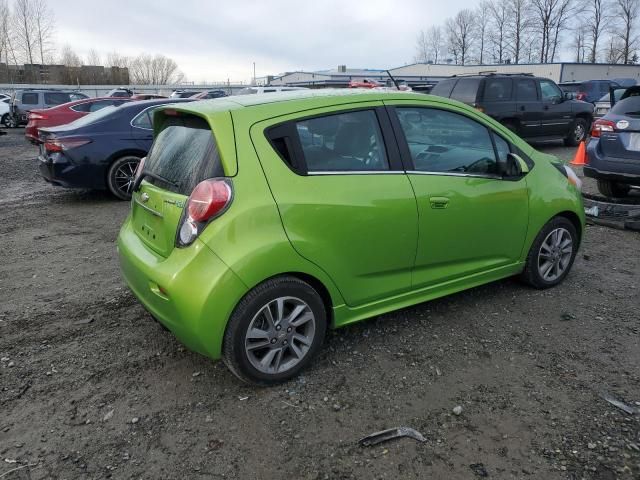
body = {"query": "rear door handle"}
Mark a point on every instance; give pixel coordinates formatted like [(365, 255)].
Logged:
[(439, 202)]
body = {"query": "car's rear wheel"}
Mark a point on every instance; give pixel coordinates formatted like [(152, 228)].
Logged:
[(121, 176), (5, 119), (10, 121), (609, 188), (552, 254), (275, 331), (578, 133)]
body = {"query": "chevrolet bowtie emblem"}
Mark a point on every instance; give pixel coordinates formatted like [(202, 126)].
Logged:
[(144, 197)]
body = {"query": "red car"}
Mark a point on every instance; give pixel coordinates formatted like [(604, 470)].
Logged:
[(65, 113), (366, 83)]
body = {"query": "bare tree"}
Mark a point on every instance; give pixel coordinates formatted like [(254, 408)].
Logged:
[(114, 59), (421, 48), (563, 13), (498, 18), (23, 28), (69, 58), (518, 25), (550, 18), (482, 15), (155, 70), (579, 43), (627, 11), (43, 24), (434, 43), (596, 21), (461, 35), (93, 57)]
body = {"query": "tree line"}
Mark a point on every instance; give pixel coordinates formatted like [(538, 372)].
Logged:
[(27, 36), (535, 31)]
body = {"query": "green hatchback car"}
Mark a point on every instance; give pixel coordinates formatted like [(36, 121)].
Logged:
[(258, 222)]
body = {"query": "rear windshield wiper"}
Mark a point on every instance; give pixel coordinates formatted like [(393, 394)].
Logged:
[(143, 175)]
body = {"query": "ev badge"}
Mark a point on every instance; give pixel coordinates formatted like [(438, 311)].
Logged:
[(622, 124)]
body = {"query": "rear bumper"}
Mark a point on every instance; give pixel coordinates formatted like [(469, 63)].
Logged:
[(191, 292), (623, 170), (59, 170)]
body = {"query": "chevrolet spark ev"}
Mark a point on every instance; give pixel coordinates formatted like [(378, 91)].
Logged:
[(258, 222)]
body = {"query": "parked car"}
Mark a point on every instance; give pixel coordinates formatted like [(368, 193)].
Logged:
[(261, 90), (613, 152), (533, 107), (592, 90), (183, 93), (5, 111), (146, 96), (364, 83), (209, 94), (257, 224), (120, 92), (26, 100), (66, 113), (100, 150), (602, 106)]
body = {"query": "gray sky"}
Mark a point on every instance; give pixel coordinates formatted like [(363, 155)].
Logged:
[(219, 40)]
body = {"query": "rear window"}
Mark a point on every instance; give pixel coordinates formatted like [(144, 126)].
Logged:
[(466, 90), (30, 98), (629, 107), (443, 87), (184, 154)]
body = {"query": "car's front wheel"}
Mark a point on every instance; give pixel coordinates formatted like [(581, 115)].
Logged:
[(578, 133), (609, 188), (5, 119), (121, 176), (552, 254), (275, 331)]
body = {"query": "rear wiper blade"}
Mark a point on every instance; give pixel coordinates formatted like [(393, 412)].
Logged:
[(143, 175)]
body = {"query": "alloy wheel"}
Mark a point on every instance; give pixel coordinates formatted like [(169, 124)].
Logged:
[(555, 254), (280, 335), (124, 177), (579, 132)]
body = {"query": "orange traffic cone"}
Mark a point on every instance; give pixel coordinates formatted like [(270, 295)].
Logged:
[(581, 156)]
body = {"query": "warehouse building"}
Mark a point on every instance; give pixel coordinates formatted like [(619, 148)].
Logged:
[(422, 73)]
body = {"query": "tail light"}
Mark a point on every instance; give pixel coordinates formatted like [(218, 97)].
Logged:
[(209, 200), (58, 145), (581, 96), (36, 116), (600, 126)]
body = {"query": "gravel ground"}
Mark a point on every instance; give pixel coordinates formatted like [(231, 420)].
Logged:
[(92, 387)]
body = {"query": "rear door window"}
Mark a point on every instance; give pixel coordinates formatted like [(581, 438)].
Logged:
[(184, 154), (143, 120), (466, 90), (526, 90), (444, 87), (350, 141), (29, 98), (56, 98), (497, 89)]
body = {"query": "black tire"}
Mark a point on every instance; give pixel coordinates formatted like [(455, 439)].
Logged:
[(578, 133), (120, 176), (532, 271), (234, 353), (612, 189), (11, 121), (5, 119)]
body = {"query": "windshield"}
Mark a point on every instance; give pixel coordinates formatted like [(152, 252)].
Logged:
[(184, 153), (629, 107)]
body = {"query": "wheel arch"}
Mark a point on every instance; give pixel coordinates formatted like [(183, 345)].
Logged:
[(574, 219), (119, 154)]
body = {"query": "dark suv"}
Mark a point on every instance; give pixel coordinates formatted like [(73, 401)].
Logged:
[(590, 91), (535, 108)]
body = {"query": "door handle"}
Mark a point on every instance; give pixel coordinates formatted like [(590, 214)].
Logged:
[(439, 202)]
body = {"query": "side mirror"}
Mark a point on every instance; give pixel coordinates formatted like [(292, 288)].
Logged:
[(515, 166), (569, 95), (557, 100)]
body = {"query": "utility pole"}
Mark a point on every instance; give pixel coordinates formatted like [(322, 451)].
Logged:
[(254, 73)]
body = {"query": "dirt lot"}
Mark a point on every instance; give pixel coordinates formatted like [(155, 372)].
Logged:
[(92, 387)]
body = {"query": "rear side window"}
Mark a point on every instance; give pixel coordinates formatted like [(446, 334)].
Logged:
[(350, 141), (466, 90), (497, 89), (29, 98), (526, 90), (143, 120), (56, 98), (184, 154), (443, 87)]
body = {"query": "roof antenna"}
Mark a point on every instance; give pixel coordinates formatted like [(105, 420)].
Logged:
[(393, 80)]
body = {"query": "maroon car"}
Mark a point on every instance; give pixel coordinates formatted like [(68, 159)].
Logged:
[(66, 113)]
